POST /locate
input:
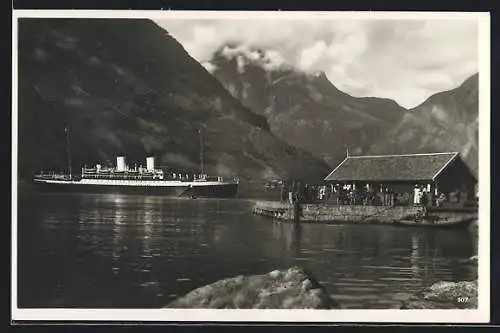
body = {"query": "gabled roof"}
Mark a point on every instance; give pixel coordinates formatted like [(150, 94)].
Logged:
[(410, 167)]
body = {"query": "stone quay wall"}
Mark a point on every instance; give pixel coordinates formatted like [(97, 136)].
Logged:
[(340, 213)]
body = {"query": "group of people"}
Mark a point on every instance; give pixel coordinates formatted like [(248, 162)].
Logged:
[(362, 196), (422, 195), (293, 192), (297, 191), (302, 193)]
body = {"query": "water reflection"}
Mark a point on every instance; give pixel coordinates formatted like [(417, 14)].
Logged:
[(415, 255), (130, 251), (118, 231), (296, 237), (148, 226)]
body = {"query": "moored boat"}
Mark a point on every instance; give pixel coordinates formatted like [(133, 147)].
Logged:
[(450, 222), (147, 180), (151, 181)]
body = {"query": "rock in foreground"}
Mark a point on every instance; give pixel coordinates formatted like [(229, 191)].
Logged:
[(445, 295), (293, 288)]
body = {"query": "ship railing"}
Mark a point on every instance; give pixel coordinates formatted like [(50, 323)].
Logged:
[(120, 172), (207, 179), (218, 179), (121, 177), (53, 176)]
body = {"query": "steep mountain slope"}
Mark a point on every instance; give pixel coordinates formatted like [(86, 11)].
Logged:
[(305, 109), (125, 86), (447, 121)]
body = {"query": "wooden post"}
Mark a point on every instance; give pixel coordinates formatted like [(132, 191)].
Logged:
[(296, 212), (201, 151), (68, 148)]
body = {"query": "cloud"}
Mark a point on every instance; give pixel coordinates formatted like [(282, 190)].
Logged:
[(273, 59), (405, 60), (244, 55), (310, 55), (432, 80)]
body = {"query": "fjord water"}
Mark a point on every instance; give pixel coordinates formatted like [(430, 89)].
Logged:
[(118, 251)]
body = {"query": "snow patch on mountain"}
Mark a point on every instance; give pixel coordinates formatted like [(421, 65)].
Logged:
[(210, 67)]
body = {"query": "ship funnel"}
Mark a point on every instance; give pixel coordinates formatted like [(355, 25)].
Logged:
[(150, 163), (120, 163)]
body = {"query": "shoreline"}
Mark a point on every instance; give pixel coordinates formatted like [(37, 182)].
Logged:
[(358, 214), (298, 288)]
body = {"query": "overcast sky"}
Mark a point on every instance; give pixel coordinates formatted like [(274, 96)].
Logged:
[(405, 60)]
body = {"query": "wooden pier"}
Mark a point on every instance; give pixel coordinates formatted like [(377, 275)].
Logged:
[(357, 214)]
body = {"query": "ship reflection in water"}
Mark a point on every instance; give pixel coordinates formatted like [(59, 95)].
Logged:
[(119, 251)]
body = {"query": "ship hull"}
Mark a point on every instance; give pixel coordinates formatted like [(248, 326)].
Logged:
[(223, 190)]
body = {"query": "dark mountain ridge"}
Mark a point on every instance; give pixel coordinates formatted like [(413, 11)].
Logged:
[(308, 111), (305, 109), (126, 87), (446, 121)]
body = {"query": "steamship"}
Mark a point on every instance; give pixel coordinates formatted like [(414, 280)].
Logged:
[(138, 180)]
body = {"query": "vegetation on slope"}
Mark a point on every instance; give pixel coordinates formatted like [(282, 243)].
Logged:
[(126, 87)]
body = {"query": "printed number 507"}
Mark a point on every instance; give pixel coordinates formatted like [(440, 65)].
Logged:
[(462, 299)]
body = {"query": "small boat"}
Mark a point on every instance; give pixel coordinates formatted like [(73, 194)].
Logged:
[(455, 222)]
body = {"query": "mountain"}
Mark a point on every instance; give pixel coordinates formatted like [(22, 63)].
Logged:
[(446, 121), (125, 86), (304, 109)]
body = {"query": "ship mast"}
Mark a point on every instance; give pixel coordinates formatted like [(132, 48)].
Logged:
[(68, 149), (201, 151)]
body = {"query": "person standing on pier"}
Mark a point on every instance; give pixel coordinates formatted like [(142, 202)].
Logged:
[(291, 190), (298, 199), (283, 191), (416, 195), (425, 199)]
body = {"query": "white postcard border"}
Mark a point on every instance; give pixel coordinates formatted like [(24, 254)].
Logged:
[(480, 315)]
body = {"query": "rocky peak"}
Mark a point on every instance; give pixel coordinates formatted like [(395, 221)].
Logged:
[(244, 55)]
